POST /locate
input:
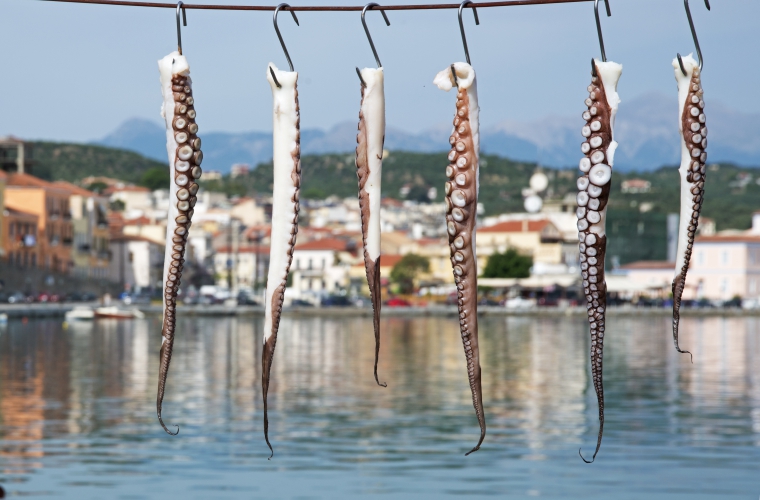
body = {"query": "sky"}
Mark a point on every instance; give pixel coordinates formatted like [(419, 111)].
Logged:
[(74, 72)]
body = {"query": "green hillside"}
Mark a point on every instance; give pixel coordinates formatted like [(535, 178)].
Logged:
[(72, 162), (731, 194)]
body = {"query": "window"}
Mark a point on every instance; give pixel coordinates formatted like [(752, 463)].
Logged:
[(310, 264), (724, 257), (324, 263)]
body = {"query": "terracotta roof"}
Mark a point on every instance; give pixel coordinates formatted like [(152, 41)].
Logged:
[(26, 180), (324, 244), (3, 175), (386, 260), (729, 238), (132, 189), (650, 264), (139, 221), (250, 233), (74, 189), (131, 237), (516, 226), (261, 249)]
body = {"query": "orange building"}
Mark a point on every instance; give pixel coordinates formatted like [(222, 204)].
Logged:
[(50, 204)]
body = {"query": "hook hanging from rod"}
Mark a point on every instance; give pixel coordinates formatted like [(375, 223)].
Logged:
[(369, 37), (599, 32), (180, 7), (694, 35), (282, 42), (464, 38)]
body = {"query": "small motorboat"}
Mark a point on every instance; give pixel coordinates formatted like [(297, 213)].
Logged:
[(114, 312), (80, 313)]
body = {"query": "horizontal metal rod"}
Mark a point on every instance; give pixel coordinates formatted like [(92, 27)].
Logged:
[(327, 8)]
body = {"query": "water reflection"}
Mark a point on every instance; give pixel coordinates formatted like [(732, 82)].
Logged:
[(77, 409)]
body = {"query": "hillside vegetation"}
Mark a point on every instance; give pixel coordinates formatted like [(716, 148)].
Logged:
[(72, 162), (732, 193)]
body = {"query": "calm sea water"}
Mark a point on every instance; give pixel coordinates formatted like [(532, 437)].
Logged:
[(77, 415)]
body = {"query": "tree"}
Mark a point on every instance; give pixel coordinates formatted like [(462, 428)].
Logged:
[(406, 270), (156, 178), (509, 264)]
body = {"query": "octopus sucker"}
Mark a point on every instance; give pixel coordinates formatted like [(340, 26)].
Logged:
[(462, 192), (593, 195), (692, 170), (287, 179), (369, 168), (176, 87)]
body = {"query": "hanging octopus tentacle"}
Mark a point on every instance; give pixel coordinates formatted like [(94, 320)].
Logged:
[(692, 171), (285, 206), (593, 196), (369, 166), (461, 210), (185, 157)]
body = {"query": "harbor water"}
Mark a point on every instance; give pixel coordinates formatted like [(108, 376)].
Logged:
[(77, 410)]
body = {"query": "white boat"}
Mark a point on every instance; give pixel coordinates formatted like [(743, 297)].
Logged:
[(80, 313), (116, 313)]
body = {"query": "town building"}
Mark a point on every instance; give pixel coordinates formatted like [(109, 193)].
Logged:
[(89, 217), (322, 266), (244, 267), (15, 155), (50, 204), (137, 263)]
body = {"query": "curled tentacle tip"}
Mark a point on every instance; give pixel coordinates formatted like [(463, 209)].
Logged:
[(472, 451), (691, 356), (167, 429), (587, 461)]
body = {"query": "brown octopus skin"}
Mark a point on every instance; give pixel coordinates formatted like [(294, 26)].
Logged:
[(594, 285), (186, 199), (267, 354), (461, 210), (696, 177), (372, 267)]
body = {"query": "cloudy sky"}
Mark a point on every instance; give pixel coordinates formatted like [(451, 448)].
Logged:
[(75, 72)]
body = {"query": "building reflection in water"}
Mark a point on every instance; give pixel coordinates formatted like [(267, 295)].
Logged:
[(63, 392)]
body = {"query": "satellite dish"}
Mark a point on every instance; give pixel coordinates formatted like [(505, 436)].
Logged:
[(533, 204), (539, 182)]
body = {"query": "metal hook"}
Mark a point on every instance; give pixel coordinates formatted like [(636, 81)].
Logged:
[(369, 37), (180, 7), (284, 49), (461, 27), (694, 35), (366, 30), (599, 32)]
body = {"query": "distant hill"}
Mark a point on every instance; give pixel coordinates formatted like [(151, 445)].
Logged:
[(72, 162), (732, 193), (646, 130)]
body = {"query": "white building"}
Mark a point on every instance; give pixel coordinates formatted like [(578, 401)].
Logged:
[(322, 266), (136, 262)]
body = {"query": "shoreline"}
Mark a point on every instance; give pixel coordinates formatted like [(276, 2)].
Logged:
[(59, 310)]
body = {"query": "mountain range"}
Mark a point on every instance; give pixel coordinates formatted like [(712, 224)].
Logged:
[(646, 129)]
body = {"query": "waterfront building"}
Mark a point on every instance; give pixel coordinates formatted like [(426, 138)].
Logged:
[(89, 217), (50, 204), (322, 266), (136, 262)]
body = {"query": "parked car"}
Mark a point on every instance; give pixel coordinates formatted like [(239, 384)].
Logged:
[(336, 301), (519, 303), (246, 299), (396, 302), (17, 298), (300, 303)]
